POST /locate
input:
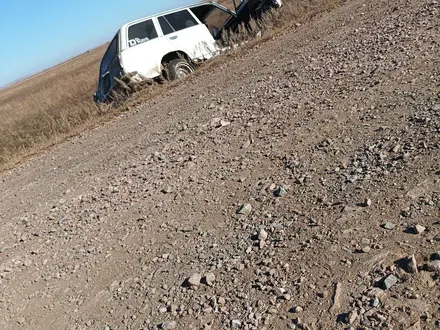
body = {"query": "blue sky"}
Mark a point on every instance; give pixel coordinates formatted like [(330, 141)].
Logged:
[(37, 34)]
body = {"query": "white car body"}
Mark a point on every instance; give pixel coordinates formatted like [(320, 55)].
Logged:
[(140, 48), (145, 57)]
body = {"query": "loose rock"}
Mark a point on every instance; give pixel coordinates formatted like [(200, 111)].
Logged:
[(389, 225), (366, 249), (235, 324), (411, 265), (280, 192), (210, 279), (168, 325), (194, 280), (262, 235), (337, 297), (352, 316), (296, 309), (245, 209), (418, 229), (389, 281)]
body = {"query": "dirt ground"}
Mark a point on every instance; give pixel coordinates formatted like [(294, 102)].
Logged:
[(295, 186)]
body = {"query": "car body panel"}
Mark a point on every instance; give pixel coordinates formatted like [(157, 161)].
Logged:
[(144, 58)]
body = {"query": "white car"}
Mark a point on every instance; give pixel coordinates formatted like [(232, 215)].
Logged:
[(168, 44)]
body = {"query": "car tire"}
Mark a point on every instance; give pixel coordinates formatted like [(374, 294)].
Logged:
[(179, 68)]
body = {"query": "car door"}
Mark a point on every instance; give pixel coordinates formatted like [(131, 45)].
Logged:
[(185, 32), (145, 48), (214, 16)]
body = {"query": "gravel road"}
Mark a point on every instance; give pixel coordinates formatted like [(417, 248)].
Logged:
[(294, 186)]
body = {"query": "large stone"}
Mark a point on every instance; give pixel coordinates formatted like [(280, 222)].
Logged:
[(418, 229), (245, 209), (389, 225), (296, 309), (375, 302), (389, 281), (411, 264), (194, 280)]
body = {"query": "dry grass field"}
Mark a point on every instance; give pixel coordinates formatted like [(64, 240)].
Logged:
[(58, 102), (47, 106)]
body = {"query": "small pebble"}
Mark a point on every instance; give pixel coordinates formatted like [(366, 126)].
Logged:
[(262, 235), (168, 325), (389, 225), (245, 209)]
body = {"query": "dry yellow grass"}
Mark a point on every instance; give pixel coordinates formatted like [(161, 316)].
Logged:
[(52, 105), (47, 106)]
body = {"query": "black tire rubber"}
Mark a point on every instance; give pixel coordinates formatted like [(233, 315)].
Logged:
[(177, 66)]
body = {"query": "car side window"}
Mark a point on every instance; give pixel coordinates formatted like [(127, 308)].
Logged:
[(165, 25), (141, 32), (177, 21)]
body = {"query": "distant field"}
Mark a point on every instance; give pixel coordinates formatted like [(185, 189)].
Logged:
[(47, 107)]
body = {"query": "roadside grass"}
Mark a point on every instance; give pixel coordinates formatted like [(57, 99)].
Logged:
[(53, 105), (50, 106)]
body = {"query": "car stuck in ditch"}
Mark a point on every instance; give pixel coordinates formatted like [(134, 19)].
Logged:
[(168, 45)]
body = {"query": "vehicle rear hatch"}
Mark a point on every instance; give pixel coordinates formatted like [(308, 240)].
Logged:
[(109, 70)]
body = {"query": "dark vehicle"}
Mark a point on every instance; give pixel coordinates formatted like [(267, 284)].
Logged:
[(250, 9)]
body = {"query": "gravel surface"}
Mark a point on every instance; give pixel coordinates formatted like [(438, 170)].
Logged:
[(295, 186)]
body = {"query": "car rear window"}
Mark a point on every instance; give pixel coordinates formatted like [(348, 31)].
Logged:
[(141, 32), (176, 21)]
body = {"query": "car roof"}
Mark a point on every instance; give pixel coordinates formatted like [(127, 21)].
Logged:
[(169, 12)]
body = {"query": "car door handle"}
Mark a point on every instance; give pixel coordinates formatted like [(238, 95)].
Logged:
[(173, 38)]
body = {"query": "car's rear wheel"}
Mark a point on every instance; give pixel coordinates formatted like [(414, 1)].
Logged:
[(179, 68)]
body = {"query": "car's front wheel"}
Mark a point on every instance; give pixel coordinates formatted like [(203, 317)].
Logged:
[(179, 68)]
